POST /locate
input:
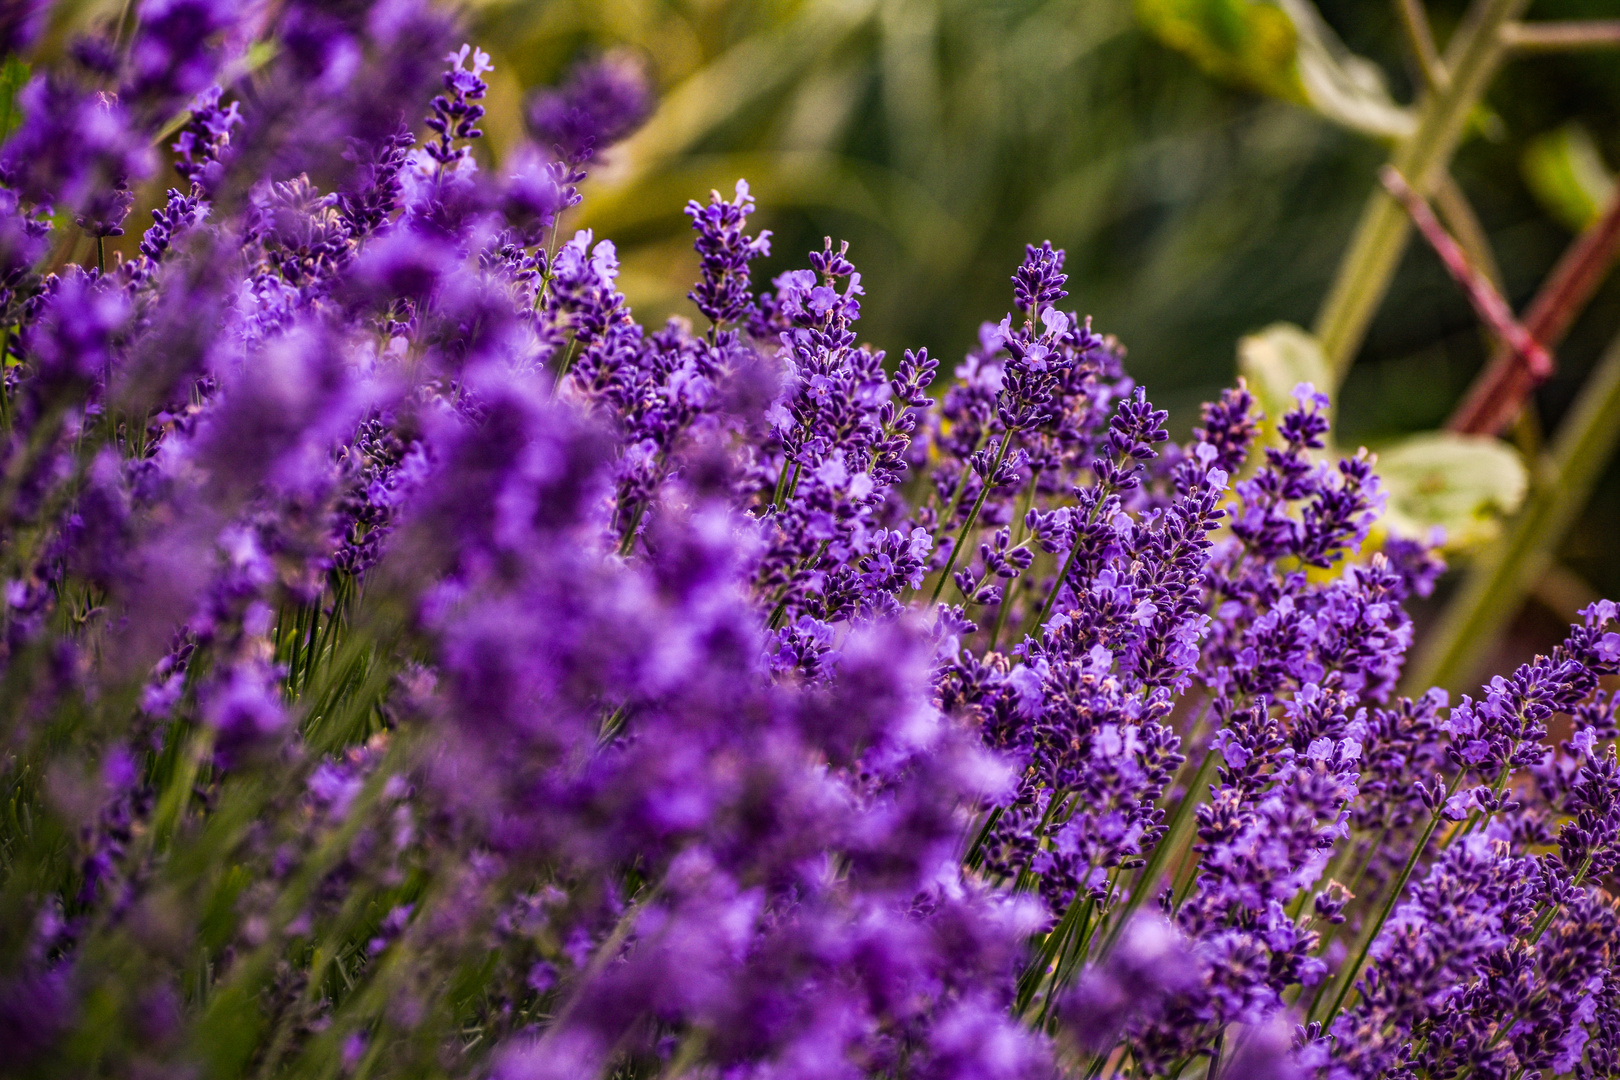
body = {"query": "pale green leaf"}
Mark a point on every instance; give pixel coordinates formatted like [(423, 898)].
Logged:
[(1278, 359), (1463, 483), (1344, 87), (1283, 48)]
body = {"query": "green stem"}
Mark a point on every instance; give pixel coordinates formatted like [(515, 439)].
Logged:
[(1181, 821), (1331, 932), (781, 482), (1057, 587), (1545, 919), (5, 393), (1347, 974), (1415, 25), (177, 793), (1369, 265), (1072, 956), (973, 516), (1078, 912), (1012, 586), (972, 858), (960, 489), (1452, 654)]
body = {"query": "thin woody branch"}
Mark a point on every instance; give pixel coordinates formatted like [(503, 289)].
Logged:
[(1487, 302), (1562, 36), (1502, 388)]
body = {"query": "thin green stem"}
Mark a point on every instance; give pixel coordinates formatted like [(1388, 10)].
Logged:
[(1415, 26), (1347, 975), (1012, 586), (960, 489), (1072, 956), (972, 858), (973, 516), (5, 389), (781, 482), (1079, 910), (1331, 932), (1375, 250), (1057, 587), (1175, 833)]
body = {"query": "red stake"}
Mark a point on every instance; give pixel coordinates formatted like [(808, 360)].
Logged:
[(1488, 303)]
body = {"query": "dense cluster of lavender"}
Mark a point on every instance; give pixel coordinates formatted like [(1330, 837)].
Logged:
[(413, 665)]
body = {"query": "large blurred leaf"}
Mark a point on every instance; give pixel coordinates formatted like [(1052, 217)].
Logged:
[(1346, 88), (1242, 41), (1275, 361), (1567, 176), (1283, 48), (1464, 483)]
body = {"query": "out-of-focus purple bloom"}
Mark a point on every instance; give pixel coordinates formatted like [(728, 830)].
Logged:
[(602, 102), (21, 24), (176, 51), (74, 148)]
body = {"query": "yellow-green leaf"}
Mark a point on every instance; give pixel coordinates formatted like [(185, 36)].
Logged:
[(1567, 176), (1242, 41), (1276, 360), (1464, 483), (13, 74), (1283, 48)]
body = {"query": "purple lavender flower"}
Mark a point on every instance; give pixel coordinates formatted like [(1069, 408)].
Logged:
[(74, 148), (725, 251), (431, 660), (602, 102), (456, 113)]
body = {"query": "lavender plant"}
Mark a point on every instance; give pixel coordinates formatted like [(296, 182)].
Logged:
[(413, 665)]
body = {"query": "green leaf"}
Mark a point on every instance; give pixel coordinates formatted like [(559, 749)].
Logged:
[(1276, 360), (13, 76), (1343, 87), (1283, 48), (1464, 483), (1567, 176), (1240, 41)]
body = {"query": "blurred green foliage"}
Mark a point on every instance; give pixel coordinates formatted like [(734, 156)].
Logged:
[(938, 136)]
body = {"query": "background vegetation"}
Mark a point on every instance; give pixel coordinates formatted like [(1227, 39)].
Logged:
[(938, 136)]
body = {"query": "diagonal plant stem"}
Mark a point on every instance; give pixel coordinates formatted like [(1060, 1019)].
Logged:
[(973, 516), (1500, 391), (1487, 302), (1415, 25), (1177, 831), (1335, 991), (1375, 250), (1490, 595)]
